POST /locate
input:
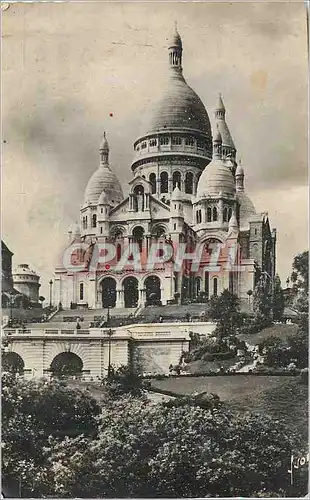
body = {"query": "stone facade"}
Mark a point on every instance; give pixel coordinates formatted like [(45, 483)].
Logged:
[(187, 189), (147, 348)]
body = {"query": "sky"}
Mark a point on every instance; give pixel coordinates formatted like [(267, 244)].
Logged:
[(67, 67)]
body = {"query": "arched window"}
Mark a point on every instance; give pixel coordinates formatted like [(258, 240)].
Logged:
[(215, 287), (159, 232), (176, 140), (81, 291), (164, 182), (164, 140), (229, 213), (198, 216), (214, 213), (189, 183), (209, 214), (153, 142), (118, 252), (225, 215), (94, 219), (138, 235), (189, 141), (176, 179), (152, 180)]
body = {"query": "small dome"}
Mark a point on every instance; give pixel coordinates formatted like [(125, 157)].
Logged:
[(216, 178), (247, 209), (24, 269), (103, 199), (104, 180), (176, 194)]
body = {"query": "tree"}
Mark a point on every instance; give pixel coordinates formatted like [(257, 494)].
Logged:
[(225, 310), (300, 274), (148, 450), (262, 302), (34, 412), (124, 381), (277, 299)]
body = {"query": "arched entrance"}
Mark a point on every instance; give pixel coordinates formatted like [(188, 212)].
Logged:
[(131, 292), (66, 364), (108, 290), (153, 291), (12, 362)]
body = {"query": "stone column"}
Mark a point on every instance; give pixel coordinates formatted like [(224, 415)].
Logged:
[(119, 298), (158, 184), (220, 209), (141, 299), (56, 298), (92, 293), (182, 187)]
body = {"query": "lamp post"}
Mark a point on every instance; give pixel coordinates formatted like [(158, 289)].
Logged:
[(108, 304), (51, 288), (110, 333)]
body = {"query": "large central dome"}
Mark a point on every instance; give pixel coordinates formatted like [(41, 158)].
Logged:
[(179, 108)]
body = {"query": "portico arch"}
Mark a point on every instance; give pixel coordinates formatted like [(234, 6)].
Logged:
[(152, 286), (66, 364), (131, 291), (108, 291), (13, 362)]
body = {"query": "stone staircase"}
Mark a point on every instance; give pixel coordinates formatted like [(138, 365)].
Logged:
[(67, 319)]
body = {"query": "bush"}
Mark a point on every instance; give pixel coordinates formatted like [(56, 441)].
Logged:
[(218, 356), (146, 450)]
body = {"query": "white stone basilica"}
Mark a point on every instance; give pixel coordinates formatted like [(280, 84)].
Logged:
[(186, 188)]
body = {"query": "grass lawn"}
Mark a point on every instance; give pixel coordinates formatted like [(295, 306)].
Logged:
[(281, 331), (283, 398)]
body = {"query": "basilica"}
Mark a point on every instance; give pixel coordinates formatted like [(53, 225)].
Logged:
[(187, 188)]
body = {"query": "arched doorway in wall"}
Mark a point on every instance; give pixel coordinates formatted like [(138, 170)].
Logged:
[(153, 291), (12, 362), (66, 364), (131, 291), (108, 292)]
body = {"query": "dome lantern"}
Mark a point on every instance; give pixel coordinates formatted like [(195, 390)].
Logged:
[(175, 50), (104, 150), (239, 178)]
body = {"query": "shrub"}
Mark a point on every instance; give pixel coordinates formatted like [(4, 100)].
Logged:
[(218, 356)]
